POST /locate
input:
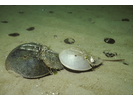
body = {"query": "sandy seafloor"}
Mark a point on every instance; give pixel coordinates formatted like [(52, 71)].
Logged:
[(88, 25)]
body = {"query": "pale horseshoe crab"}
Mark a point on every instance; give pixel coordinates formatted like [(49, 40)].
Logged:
[(77, 59)]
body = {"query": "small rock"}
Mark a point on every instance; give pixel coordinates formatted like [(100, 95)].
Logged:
[(55, 36)]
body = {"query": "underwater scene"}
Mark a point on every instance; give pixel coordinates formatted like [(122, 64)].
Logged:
[(66, 50)]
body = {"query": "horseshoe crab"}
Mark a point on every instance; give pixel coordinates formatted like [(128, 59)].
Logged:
[(77, 59), (33, 60)]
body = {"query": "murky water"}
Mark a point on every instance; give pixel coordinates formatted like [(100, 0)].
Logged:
[(88, 26)]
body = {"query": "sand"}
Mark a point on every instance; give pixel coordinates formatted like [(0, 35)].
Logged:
[(88, 26)]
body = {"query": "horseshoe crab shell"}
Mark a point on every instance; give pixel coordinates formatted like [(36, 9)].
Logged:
[(32, 60), (77, 59)]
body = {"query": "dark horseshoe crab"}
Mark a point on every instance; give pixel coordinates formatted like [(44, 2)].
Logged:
[(77, 59), (33, 60)]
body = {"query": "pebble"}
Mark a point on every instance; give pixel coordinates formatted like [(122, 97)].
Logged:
[(5, 55), (36, 85), (42, 93), (55, 36), (43, 9), (52, 93)]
